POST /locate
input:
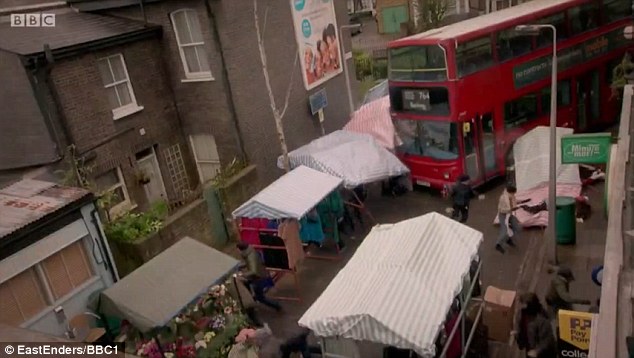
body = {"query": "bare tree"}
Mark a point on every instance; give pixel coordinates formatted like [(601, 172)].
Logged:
[(278, 114), (428, 14)]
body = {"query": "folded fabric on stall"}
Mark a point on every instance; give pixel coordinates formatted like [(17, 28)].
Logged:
[(252, 237), (311, 230), (289, 232), (536, 197)]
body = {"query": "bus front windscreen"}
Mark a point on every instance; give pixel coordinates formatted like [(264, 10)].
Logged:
[(417, 63), (428, 138)]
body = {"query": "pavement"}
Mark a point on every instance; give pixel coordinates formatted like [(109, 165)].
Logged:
[(524, 268), (513, 270)]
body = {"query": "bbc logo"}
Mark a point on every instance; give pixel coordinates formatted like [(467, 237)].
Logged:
[(32, 20)]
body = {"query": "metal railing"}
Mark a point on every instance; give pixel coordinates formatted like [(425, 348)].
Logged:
[(615, 316)]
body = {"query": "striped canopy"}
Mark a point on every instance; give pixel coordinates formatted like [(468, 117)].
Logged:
[(356, 158), (374, 118), (399, 285), (290, 196)]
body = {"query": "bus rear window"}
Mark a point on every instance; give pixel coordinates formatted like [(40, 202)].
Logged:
[(417, 63), (428, 138)]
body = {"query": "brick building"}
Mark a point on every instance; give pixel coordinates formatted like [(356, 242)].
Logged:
[(99, 84), (223, 103), (168, 89)]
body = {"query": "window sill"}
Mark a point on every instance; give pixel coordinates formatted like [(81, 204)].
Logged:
[(120, 209), (61, 301), (202, 79), (125, 111)]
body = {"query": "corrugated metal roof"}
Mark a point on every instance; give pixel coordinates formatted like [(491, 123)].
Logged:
[(399, 285), (30, 200), (486, 21), (71, 28), (290, 196)]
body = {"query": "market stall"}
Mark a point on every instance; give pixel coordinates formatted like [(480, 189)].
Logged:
[(278, 219), (398, 287), (178, 302), (531, 155), (374, 118), (356, 158)]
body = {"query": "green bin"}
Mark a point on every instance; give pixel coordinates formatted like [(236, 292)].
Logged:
[(566, 221)]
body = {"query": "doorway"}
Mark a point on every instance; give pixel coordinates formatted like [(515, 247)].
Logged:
[(588, 100), (480, 147), (393, 17), (148, 167)]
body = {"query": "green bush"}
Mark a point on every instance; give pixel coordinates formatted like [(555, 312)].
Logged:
[(379, 70), (362, 64), (132, 227)]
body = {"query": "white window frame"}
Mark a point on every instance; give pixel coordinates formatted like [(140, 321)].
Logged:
[(190, 76), (130, 108), (47, 291), (126, 204)]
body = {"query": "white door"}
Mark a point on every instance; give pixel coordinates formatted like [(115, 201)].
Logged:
[(155, 189), (206, 156)]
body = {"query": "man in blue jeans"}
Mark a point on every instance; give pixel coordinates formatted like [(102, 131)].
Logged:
[(256, 275), (506, 206)]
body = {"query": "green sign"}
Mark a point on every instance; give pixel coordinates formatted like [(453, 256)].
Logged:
[(592, 148), (540, 68)]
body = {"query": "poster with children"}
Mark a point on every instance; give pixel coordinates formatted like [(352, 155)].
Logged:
[(317, 40)]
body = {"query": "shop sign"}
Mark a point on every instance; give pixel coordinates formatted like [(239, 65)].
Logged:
[(575, 330), (592, 148), (318, 101), (539, 69)]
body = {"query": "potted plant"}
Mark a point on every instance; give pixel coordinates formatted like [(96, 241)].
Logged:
[(142, 177), (622, 74)]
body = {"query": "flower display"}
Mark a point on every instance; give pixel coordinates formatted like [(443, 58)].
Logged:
[(207, 328)]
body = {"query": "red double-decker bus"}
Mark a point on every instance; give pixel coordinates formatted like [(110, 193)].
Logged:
[(461, 94)]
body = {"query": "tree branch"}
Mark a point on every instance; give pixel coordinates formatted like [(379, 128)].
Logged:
[(266, 17), (290, 85)]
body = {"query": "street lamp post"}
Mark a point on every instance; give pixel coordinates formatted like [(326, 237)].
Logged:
[(345, 64), (552, 177)]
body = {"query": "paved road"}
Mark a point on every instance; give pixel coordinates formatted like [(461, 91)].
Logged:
[(498, 270)]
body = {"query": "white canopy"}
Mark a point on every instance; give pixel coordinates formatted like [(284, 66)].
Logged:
[(354, 157), (399, 285), (290, 196), (157, 291), (531, 153)]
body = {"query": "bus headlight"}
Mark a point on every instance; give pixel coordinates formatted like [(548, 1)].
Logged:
[(446, 175)]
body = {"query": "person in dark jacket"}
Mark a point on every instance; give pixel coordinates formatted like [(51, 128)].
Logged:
[(461, 194), (558, 296), (299, 344), (535, 334), (255, 275)]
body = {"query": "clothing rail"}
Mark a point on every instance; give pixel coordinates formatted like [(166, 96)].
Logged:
[(461, 320)]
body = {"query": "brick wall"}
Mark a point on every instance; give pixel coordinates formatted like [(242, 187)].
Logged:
[(203, 106), (235, 19), (90, 120), (192, 221)]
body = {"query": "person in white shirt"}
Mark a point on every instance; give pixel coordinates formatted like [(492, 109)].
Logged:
[(506, 206)]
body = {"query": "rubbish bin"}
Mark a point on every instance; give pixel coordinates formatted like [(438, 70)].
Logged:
[(566, 220)]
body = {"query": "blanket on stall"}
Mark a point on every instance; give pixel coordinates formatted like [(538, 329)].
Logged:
[(527, 215)]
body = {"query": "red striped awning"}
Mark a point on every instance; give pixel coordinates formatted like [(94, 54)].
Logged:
[(373, 118)]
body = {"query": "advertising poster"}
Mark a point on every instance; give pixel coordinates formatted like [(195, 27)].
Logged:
[(318, 42), (575, 330)]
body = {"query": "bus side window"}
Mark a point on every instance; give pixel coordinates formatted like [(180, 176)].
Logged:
[(614, 10), (545, 38), (584, 17)]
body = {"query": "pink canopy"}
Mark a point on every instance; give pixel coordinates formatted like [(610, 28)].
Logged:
[(373, 118)]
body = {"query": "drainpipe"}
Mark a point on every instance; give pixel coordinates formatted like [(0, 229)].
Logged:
[(143, 13), (225, 78), (49, 61), (103, 243)]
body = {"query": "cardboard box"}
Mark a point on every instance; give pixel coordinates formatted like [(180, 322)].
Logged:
[(499, 310)]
